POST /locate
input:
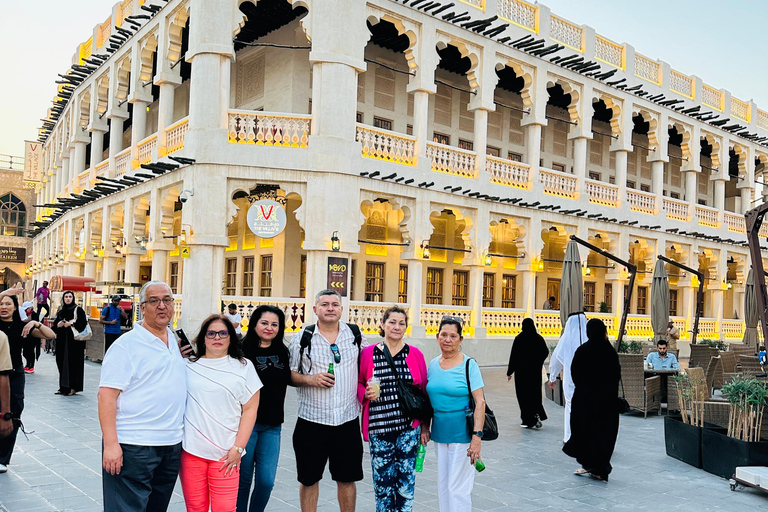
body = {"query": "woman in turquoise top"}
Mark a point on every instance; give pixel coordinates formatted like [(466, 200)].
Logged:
[(456, 448)]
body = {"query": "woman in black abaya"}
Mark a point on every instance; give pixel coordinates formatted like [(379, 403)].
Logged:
[(529, 351), (594, 411), (70, 353)]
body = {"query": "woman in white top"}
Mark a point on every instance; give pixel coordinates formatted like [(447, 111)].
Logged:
[(222, 401)]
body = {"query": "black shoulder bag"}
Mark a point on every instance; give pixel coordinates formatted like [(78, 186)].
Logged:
[(490, 427), (414, 402)]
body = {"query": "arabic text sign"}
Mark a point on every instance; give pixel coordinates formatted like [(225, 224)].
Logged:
[(266, 218), (33, 161)]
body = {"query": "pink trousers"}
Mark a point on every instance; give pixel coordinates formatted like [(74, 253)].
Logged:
[(205, 487)]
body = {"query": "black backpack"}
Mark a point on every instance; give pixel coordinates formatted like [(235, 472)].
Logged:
[(306, 343)]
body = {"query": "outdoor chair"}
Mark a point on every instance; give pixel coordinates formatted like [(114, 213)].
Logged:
[(700, 355), (749, 366), (729, 370), (642, 394), (741, 349), (712, 368)]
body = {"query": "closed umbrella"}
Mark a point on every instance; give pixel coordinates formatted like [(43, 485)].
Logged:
[(571, 286), (659, 302), (751, 316)]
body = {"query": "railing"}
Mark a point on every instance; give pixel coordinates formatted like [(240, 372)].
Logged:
[(451, 160), (563, 31), (676, 209), (82, 181), (681, 84), (386, 145), (639, 326), (102, 168), (735, 223), (602, 193), (707, 216), (558, 183), (368, 315), (145, 149), (763, 233), (13, 163), (682, 324), (507, 172), (502, 322), (269, 129), (647, 69), (123, 162), (174, 136), (732, 329), (519, 13), (548, 323), (711, 97), (609, 52), (609, 319), (480, 4), (642, 202), (762, 119), (105, 30), (708, 328), (293, 309), (739, 109), (126, 9), (431, 316)]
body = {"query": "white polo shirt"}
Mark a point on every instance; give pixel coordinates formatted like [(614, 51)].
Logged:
[(153, 387)]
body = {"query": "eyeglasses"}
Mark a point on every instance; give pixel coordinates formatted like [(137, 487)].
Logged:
[(336, 353), (154, 301), (211, 335)]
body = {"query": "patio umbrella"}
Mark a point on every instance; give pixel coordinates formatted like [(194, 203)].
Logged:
[(751, 316), (659, 301), (571, 285)]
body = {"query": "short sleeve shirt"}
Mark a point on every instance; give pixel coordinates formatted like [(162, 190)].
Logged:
[(448, 394), (111, 313), (42, 295), (5, 354), (236, 319)]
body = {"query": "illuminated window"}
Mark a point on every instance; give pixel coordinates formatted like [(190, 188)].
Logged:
[(434, 285), (489, 280), (466, 144), (672, 302), (13, 216), (248, 270), (608, 295), (402, 285), (642, 299), (589, 297), (441, 138), (303, 277), (491, 151), (515, 157), (508, 290), (230, 280), (460, 289), (374, 282), (174, 277), (265, 283)]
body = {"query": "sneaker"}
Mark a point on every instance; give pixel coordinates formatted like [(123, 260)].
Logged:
[(29, 370), (538, 424), (3, 468)]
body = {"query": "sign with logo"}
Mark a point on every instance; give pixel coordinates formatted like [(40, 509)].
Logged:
[(33, 161), (13, 254), (266, 218), (338, 270), (184, 249)]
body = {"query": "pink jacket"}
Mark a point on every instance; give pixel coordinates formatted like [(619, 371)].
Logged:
[(416, 364)]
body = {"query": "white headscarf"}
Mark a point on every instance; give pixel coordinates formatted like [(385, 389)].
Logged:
[(574, 334)]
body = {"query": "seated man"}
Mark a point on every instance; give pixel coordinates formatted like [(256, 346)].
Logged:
[(661, 360)]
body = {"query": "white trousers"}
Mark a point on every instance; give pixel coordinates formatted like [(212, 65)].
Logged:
[(567, 421), (455, 477)]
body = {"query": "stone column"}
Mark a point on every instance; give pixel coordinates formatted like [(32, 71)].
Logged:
[(90, 267), (657, 173), (159, 264), (421, 125), (580, 155), (109, 267), (132, 263), (138, 128), (529, 285), (719, 197), (481, 140), (116, 126), (62, 174), (165, 109), (476, 299), (691, 191), (621, 157), (415, 297), (533, 147)]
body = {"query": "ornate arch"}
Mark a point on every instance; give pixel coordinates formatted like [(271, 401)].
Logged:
[(520, 70), (403, 27), (575, 93), (148, 48), (715, 143), (685, 144), (102, 94), (467, 50), (175, 31), (123, 79), (653, 125)]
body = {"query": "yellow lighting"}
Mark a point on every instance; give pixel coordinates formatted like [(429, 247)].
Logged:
[(488, 260), (335, 244)]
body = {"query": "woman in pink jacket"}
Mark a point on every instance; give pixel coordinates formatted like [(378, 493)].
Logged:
[(393, 438)]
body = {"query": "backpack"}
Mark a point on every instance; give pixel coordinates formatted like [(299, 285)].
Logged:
[(306, 343)]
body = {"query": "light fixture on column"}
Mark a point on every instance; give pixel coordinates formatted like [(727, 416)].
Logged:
[(94, 250), (488, 259), (425, 249), (335, 244)]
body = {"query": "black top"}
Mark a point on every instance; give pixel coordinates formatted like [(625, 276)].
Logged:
[(385, 414), (271, 365), (15, 341)]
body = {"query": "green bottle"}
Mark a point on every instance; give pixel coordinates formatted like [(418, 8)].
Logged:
[(479, 466), (330, 369), (420, 454)]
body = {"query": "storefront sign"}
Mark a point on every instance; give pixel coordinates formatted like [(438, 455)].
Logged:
[(13, 254), (266, 218), (33, 156), (337, 275)]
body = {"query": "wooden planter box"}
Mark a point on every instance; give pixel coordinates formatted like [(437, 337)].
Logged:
[(721, 455), (683, 441)]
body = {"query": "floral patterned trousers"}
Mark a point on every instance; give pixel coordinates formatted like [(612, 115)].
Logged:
[(393, 456)]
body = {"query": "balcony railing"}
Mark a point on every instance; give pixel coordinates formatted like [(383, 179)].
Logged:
[(642, 202), (507, 172), (556, 183), (82, 181), (548, 322), (269, 129), (145, 149), (707, 216), (707, 328), (735, 223), (293, 309), (602, 193), (451, 160), (432, 314), (123, 162), (368, 315), (175, 134), (102, 168), (676, 209), (386, 145), (565, 32), (502, 322), (609, 52), (732, 329), (519, 12), (639, 326)]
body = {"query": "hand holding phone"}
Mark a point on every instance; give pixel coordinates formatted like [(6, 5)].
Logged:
[(184, 345)]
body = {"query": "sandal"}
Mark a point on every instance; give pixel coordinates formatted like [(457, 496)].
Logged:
[(72, 393), (59, 393), (598, 477), (581, 472)]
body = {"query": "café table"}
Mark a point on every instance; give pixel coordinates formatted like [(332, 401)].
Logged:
[(664, 375)]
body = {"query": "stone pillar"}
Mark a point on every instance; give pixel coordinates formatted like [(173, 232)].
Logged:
[(165, 109), (415, 297), (421, 123), (109, 268), (481, 140), (657, 173), (116, 123), (691, 191), (529, 285), (138, 128), (533, 147), (476, 298), (621, 157), (719, 197), (62, 176), (90, 267), (159, 265), (132, 263), (580, 155)]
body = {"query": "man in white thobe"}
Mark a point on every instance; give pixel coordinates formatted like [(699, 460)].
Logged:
[(574, 334)]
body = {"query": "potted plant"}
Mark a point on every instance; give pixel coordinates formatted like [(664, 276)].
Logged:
[(682, 434), (605, 307)]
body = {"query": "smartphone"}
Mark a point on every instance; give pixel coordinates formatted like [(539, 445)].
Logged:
[(184, 340)]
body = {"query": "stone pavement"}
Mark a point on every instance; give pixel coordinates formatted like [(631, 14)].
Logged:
[(59, 467)]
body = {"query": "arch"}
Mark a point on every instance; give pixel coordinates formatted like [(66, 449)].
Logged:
[(715, 143), (301, 7), (123, 79), (742, 153), (140, 215), (168, 201), (522, 72), (568, 88), (13, 215), (614, 106), (147, 55), (175, 31), (95, 231), (402, 29), (467, 51), (463, 222), (102, 94), (653, 126), (685, 144)]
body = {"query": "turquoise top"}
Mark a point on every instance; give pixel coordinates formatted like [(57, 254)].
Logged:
[(447, 390)]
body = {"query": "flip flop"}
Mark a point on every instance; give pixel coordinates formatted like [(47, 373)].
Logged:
[(598, 477), (581, 472)]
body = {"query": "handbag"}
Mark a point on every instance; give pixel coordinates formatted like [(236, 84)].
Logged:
[(490, 427), (83, 335), (621, 402), (414, 402)]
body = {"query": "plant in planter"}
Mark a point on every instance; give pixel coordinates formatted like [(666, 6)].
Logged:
[(748, 399), (605, 307), (634, 347), (718, 344), (691, 393)]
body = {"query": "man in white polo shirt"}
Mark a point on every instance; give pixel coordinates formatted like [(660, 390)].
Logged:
[(142, 395)]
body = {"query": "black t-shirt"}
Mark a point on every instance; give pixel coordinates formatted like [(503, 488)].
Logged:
[(271, 365), (15, 341)]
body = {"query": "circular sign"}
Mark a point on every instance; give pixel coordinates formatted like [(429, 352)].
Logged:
[(266, 218)]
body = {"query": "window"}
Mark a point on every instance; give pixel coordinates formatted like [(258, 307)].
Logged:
[(491, 151), (402, 284), (174, 277), (459, 293), (672, 302), (631, 184), (674, 195), (303, 277), (594, 175), (441, 138), (642, 299), (359, 117), (248, 270), (352, 272), (466, 144), (384, 124), (515, 157), (434, 285), (265, 283), (558, 167), (612, 180), (589, 297), (374, 282), (13, 216), (488, 288), (702, 202), (409, 129), (230, 280), (645, 188), (608, 296), (508, 290)]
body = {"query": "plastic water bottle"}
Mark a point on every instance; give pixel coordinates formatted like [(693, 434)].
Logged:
[(420, 454)]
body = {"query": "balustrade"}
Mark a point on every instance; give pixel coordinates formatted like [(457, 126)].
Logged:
[(735, 223), (146, 148), (293, 309), (175, 134), (548, 323), (386, 145), (643, 202), (681, 84), (123, 162), (558, 183), (711, 97), (707, 216), (733, 329), (740, 109), (507, 172), (518, 12), (762, 119), (609, 52), (639, 326), (602, 193), (102, 168), (647, 69), (563, 31), (368, 315), (431, 316), (707, 329), (269, 129), (451, 160), (502, 322), (676, 209)]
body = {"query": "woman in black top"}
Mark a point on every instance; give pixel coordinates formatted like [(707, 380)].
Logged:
[(263, 345), (70, 353), (16, 330)]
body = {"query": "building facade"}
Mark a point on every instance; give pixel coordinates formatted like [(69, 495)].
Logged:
[(446, 151), (16, 212)]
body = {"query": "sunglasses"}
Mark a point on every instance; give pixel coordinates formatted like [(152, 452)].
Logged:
[(454, 318), (211, 335), (336, 353), (264, 359)]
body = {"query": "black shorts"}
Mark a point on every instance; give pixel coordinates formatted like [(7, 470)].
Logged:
[(315, 444)]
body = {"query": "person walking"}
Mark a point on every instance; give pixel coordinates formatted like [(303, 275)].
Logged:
[(16, 331), (574, 334), (111, 318), (324, 366), (42, 296), (394, 438), (457, 449), (142, 396), (263, 345), (529, 350), (70, 353), (222, 401), (31, 348), (595, 414)]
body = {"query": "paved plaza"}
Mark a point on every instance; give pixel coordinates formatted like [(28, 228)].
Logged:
[(59, 467)]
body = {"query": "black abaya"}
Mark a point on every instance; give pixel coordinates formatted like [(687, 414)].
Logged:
[(594, 409), (529, 350), (70, 353)]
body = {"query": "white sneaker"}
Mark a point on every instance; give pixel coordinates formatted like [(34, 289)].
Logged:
[(3, 468)]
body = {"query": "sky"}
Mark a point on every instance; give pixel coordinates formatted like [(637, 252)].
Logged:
[(718, 41)]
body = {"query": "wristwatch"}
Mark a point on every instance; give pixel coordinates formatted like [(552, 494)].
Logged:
[(478, 433), (7, 416), (239, 450)]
